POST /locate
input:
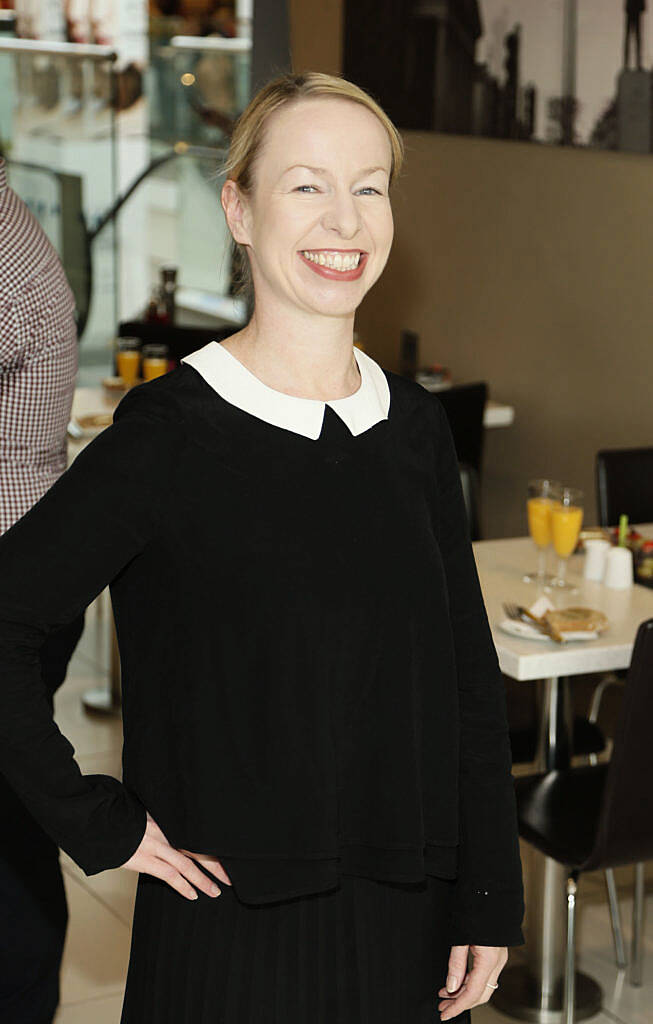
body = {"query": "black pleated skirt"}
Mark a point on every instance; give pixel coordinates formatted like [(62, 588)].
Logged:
[(367, 952)]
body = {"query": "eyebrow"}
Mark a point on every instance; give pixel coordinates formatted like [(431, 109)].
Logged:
[(323, 170)]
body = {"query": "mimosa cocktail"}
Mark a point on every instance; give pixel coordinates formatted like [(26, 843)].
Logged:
[(566, 521), (542, 495)]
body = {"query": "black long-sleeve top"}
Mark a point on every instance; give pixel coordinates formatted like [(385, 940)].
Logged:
[(309, 680)]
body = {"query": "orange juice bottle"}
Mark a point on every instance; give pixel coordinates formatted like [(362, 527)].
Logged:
[(128, 362), (128, 359), (155, 360)]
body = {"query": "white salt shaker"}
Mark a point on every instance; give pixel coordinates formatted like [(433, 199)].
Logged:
[(619, 568), (596, 553)]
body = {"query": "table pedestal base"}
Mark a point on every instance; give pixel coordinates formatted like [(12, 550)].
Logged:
[(520, 995)]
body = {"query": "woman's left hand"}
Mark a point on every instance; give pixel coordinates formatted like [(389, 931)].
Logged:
[(465, 989), (210, 864)]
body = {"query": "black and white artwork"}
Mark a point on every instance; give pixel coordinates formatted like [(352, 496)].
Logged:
[(567, 72), (561, 72)]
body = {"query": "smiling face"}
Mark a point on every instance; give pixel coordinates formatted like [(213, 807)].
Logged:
[(318, 224)]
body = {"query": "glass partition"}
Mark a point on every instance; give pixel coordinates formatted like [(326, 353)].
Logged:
[(197, 88), (58, 134), (124, 188)]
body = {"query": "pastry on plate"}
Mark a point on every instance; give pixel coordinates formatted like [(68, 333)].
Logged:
[(570, 619)]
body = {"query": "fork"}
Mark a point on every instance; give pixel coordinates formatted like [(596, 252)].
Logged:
[(517, 611)]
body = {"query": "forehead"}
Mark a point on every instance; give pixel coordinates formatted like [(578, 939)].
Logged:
[(323, 132)]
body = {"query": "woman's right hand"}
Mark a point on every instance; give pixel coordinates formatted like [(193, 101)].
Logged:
[(155, 856)]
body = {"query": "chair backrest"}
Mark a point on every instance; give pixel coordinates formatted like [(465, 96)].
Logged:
[(469, 481), (464, 405), (625, 827), (624, 483)]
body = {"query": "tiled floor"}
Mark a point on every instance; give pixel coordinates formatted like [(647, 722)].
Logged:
[(97, 947)]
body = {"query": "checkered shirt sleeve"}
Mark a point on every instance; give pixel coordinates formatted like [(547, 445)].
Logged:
[(38, 360)]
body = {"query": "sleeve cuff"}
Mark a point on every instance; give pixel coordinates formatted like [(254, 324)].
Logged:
[(114, 831), (487, 917)]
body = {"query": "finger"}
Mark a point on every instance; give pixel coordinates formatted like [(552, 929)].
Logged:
[(457, 967), (473, 992), (447, 994), (167, 873), (485, 960), (479, 976), (209, 863), (191, 871)]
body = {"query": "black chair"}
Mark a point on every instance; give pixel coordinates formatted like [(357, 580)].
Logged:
[(464, 405), (588, 739), (600, 816), (624, 483), (469, 481)]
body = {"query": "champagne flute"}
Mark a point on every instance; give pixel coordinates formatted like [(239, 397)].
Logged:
[(566, 521), (542, 493)]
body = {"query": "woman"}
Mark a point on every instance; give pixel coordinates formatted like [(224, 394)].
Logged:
[(314, 715)]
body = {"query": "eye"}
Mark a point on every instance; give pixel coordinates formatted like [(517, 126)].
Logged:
[(368, 188), (300, 187)]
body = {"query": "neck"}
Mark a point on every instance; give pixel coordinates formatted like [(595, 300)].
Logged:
[(314, 359)]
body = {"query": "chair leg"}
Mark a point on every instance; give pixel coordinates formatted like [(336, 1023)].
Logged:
[(615, 917), (638, 927), (609, 679), (570, 966)]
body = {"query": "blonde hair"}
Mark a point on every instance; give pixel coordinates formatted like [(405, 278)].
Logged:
[(249, 131)]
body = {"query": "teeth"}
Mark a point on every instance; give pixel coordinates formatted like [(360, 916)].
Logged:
[(334, 260)]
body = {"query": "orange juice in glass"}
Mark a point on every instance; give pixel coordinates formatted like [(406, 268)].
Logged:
[(155, 361), (566, 522), (542, 494), (128, 360)]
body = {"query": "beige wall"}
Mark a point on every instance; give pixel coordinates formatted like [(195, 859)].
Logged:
[(316, 35), (530, 267)]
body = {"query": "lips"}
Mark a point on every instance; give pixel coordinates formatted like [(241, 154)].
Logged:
[(336, 275)]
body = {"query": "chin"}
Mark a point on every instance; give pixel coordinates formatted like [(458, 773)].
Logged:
[(334, 304), (337, 308)]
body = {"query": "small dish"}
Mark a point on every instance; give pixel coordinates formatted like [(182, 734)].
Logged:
[(563, 619), (95, 420), (114, 384), (525, 632)]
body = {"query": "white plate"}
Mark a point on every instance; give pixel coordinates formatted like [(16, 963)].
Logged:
[(522, 629)]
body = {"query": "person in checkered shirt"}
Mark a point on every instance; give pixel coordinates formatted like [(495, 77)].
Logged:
[(38, 365)]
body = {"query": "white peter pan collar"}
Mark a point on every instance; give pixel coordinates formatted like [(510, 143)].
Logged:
[(239, 386)]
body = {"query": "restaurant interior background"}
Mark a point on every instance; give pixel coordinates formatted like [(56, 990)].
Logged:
[(520, 258)]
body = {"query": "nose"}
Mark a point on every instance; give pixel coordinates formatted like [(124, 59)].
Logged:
[(342, 215)]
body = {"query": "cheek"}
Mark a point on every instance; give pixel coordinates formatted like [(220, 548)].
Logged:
[(382, 231), (281, 236)]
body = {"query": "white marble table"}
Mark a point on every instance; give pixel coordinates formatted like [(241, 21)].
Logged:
[(501, 565), (497, 414), (533, 991)]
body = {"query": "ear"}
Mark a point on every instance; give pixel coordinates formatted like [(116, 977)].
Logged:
[(236, 211)]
